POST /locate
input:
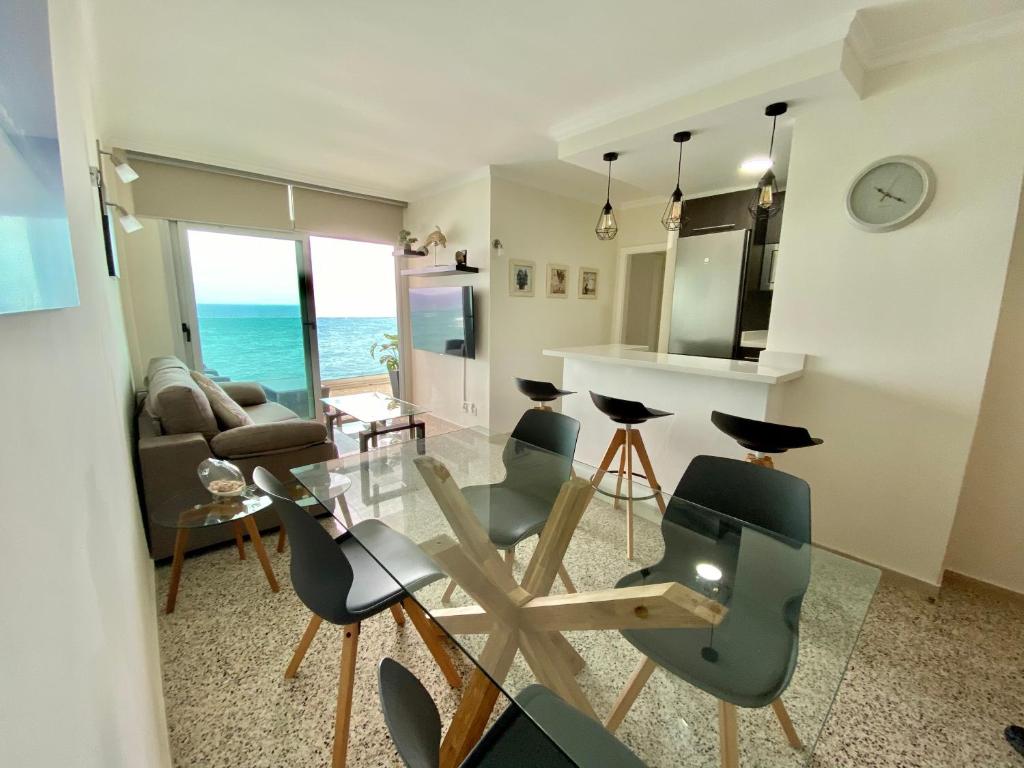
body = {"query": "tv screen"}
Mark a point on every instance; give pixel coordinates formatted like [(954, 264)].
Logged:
[(442, 320)]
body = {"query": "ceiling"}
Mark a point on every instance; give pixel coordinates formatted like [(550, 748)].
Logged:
[(394, 98)]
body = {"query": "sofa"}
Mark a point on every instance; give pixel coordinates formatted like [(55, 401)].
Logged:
[(178, 428)]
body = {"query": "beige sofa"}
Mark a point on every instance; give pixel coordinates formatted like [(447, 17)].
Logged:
[(177, 430)]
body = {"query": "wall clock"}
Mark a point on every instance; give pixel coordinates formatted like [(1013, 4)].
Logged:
[(890, 193)]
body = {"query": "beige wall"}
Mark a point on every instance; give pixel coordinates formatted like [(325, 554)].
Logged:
[(546, 229), (463, 214), (988, 535), (80, 666), (898, 326)]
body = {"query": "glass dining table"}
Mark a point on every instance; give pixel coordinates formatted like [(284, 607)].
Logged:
[(726, 609)]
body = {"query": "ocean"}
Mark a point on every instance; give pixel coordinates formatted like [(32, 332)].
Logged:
[(263, 342)]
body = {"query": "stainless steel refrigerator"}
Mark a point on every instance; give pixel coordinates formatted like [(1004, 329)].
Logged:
[(707, 293)]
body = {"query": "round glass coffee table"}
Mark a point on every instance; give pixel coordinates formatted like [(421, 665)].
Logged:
[(234, 510)]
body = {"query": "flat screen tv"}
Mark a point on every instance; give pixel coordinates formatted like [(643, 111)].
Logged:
[(442, 320)]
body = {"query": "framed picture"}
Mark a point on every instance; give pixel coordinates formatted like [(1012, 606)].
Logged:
[(521, 276), (588, 282), (558, 281)]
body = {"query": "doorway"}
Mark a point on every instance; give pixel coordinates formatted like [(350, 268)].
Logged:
[(641, 302)]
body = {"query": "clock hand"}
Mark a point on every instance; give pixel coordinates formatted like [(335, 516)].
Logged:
[(883, 194), (895, 197)]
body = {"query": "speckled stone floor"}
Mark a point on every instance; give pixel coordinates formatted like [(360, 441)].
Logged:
[(929, 684)]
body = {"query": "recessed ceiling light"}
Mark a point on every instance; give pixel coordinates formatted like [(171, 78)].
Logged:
[(755, 165)]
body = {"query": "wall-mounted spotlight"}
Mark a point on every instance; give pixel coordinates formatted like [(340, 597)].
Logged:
[(128, 222), (125, 172)]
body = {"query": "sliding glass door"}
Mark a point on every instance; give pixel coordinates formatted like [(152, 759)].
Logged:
[(247, 309)]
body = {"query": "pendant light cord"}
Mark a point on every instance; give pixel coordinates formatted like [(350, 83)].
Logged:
[(679, 168), (771, 146), (608, 192)]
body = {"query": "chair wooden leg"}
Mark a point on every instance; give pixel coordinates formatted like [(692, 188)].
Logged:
[(786, 723), (239, 541), (396, 611), (510, 557), (617, 502), (179, 558), (346, 682), (449, 591), (645, 462), (564, 575), (433, 642), (728, 738), (629, 494), (633, 687), (261, 552), (303, 646), (282, 539)]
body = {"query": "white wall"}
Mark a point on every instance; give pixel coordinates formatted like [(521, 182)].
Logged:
[(988, 535), (899, 326), (463, 213), (546, 229), (79, 651)]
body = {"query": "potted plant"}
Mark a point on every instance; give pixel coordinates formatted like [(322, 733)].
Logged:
[(386, 353)]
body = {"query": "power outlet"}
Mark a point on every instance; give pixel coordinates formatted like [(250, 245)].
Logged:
[(472, 408), (465, 407)]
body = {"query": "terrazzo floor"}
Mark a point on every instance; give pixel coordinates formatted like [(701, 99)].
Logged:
[(929, 684)]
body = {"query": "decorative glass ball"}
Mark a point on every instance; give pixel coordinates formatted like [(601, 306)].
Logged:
[(221, 478)]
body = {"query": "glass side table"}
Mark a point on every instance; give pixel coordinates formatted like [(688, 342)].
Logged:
[(234, 510)]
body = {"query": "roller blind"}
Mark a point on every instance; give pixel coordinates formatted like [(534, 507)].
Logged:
[(323, 213), (187, 194)]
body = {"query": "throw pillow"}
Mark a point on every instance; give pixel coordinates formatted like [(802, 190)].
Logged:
[(229, 413)]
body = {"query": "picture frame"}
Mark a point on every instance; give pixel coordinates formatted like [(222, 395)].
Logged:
[(557, 282), (589, 283), (522, 275)]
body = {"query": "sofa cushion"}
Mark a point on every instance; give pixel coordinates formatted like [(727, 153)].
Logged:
[(160, 363), (229, 413), (268, 413), (178, 402), (267, 438), (245, 393)]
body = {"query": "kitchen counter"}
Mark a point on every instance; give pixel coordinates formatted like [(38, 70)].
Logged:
[(687, 386)]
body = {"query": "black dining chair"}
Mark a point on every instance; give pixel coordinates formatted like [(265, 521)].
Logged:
[(757, 521), (340, 582), (518, 507), (763, 437), (541, 392), (515, 739)]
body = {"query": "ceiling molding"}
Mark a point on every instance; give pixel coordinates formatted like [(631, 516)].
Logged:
[(450, 182), (874, 55)]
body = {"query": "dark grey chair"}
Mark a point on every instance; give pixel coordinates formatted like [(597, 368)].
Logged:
[(753, 524), (514, 741), (518, 507), (340, 582)]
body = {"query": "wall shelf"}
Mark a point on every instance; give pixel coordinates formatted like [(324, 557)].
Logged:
[(440, 270), (409, 253)]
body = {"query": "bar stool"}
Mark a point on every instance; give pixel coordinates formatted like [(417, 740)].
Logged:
[(763, 437), (541, 392), (629, 413)]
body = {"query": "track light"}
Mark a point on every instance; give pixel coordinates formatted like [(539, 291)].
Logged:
[(124, 172), (128, 222)]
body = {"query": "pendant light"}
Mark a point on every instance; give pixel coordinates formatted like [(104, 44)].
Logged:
[(672, 219), (607, 228), (766, 199)]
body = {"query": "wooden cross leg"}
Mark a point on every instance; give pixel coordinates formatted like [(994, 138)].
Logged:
[(626, 442), (525, 617)]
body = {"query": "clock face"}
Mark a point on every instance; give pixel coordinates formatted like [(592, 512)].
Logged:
[(889, 194)]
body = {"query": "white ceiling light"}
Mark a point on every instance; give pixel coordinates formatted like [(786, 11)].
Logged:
[(756, 165), (125, 172), (128, 222)]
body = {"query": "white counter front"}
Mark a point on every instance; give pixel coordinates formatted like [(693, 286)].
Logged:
[(689, 387)]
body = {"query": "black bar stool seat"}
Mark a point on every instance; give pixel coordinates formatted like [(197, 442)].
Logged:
[(763, 436), (541, 392), (628, 413)]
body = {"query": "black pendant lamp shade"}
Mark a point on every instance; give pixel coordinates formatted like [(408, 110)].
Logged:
[(607, 228), (766, 198), (674, 216)]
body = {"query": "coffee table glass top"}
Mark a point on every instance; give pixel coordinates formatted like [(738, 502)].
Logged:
[(373, 406), (723, 611), (215, 511)]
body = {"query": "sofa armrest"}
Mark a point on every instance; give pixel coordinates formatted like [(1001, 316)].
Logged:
[(256, 439), (245, 393), (168, 464)]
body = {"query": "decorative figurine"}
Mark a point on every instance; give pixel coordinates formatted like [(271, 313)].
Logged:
[(460, 257)]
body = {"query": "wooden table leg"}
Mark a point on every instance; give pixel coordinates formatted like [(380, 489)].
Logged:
[(261, 553), (179, 557), (239, 541)]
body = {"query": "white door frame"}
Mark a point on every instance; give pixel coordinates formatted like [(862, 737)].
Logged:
[(622, 278)]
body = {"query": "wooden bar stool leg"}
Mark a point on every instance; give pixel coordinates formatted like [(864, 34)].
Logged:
[(179, 558), (346, 683), (617, 440), (617, 502), (629, 493), (728, 738), (239, 541), (645, 462), (786, 723), (762, 461), (510, 557), (303, 646)]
